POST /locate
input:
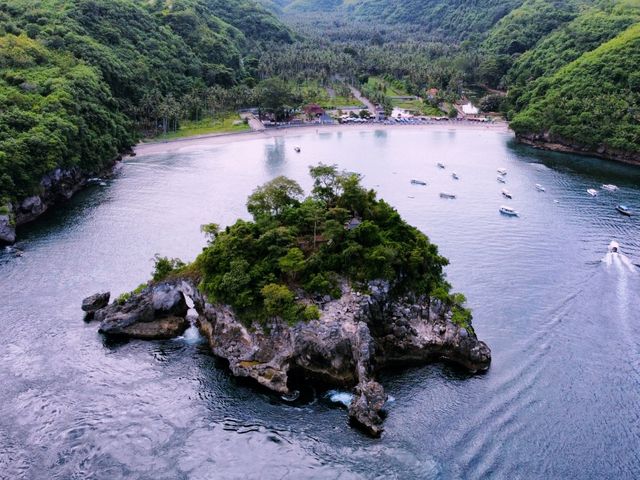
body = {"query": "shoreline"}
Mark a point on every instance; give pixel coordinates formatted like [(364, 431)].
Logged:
[(225, 138)]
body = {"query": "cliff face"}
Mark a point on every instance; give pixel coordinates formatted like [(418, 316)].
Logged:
[(355, 336), (553, 143), (56, 187)]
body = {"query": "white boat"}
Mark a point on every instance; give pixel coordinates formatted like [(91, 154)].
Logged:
[(501, 180), (440, 165), (609, 186), (455, 176), (623, 209), (592, 191), (540, 188), (508, 211), (418, 182), (614, 247), (447, 195), (502, 171), (506, 193)]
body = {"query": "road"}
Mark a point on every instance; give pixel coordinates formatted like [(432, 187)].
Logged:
[(370, 106)]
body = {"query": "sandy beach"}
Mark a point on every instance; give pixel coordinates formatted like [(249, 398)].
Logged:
[(195, 142)]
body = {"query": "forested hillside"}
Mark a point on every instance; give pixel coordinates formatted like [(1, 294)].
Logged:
[(78, 76)]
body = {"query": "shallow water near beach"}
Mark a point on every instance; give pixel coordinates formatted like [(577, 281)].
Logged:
[(562, 397)]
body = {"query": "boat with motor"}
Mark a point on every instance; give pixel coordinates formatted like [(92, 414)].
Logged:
[(506, 193), (502, 171), (623, 209), (440, 165), (501, 180), (418, 182), (447, 195), (614, 247), (540, 188), (610, 187), (508, 211), (592, 191), (455, 176)]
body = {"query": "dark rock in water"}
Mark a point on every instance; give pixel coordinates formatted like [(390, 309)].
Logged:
[(355, 336), (7, 229), (158, 312), (368, 401), (95, 302)]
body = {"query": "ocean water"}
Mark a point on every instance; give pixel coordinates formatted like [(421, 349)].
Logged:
[(561, 400)]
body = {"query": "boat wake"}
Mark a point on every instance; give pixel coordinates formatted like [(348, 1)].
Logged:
[(620, 262)]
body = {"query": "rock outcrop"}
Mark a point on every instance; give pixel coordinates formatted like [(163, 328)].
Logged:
[(554, 143), (355, 336), (158, 312), (95, 302), (55, 187), (7, 224)]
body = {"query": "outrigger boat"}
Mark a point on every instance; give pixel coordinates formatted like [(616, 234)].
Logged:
[(501, 180), (418, 182), (540, 188), (506, 193), (502, 171), (447, 195), (508, 211), (455, 176), (623, 209), (440, 165)]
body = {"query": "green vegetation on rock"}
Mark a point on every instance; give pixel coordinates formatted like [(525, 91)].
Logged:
[(298, 247)]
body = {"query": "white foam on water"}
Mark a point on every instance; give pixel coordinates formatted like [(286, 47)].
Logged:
[(191, 335), (337, 396)]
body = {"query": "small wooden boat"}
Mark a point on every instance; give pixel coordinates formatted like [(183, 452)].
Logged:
[(506, 193), (592, 191), (418, 182), (508, 211), (502, 171), (540, 188), (455, 176), (447, 195), (440, 165), (623, 209), (501, 180)]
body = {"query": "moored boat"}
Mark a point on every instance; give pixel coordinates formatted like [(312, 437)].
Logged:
[(540, 188), (447, 195), (418, 182), (506, 193), (623, 209), (455, 176), (508, 211), (592, 191), (610, 187), (440, 165), (501, 180), (502, 171)]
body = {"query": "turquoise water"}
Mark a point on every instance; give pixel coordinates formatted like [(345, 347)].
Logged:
[(561, 400)]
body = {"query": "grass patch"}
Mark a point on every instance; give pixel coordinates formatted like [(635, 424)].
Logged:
[(207, 126)]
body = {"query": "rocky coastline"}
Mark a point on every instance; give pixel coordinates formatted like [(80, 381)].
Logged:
[(56, 187), (546, 141), (356, 335)]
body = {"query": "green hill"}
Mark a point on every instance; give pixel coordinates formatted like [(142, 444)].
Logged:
[(592, 104), (75, 74)]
